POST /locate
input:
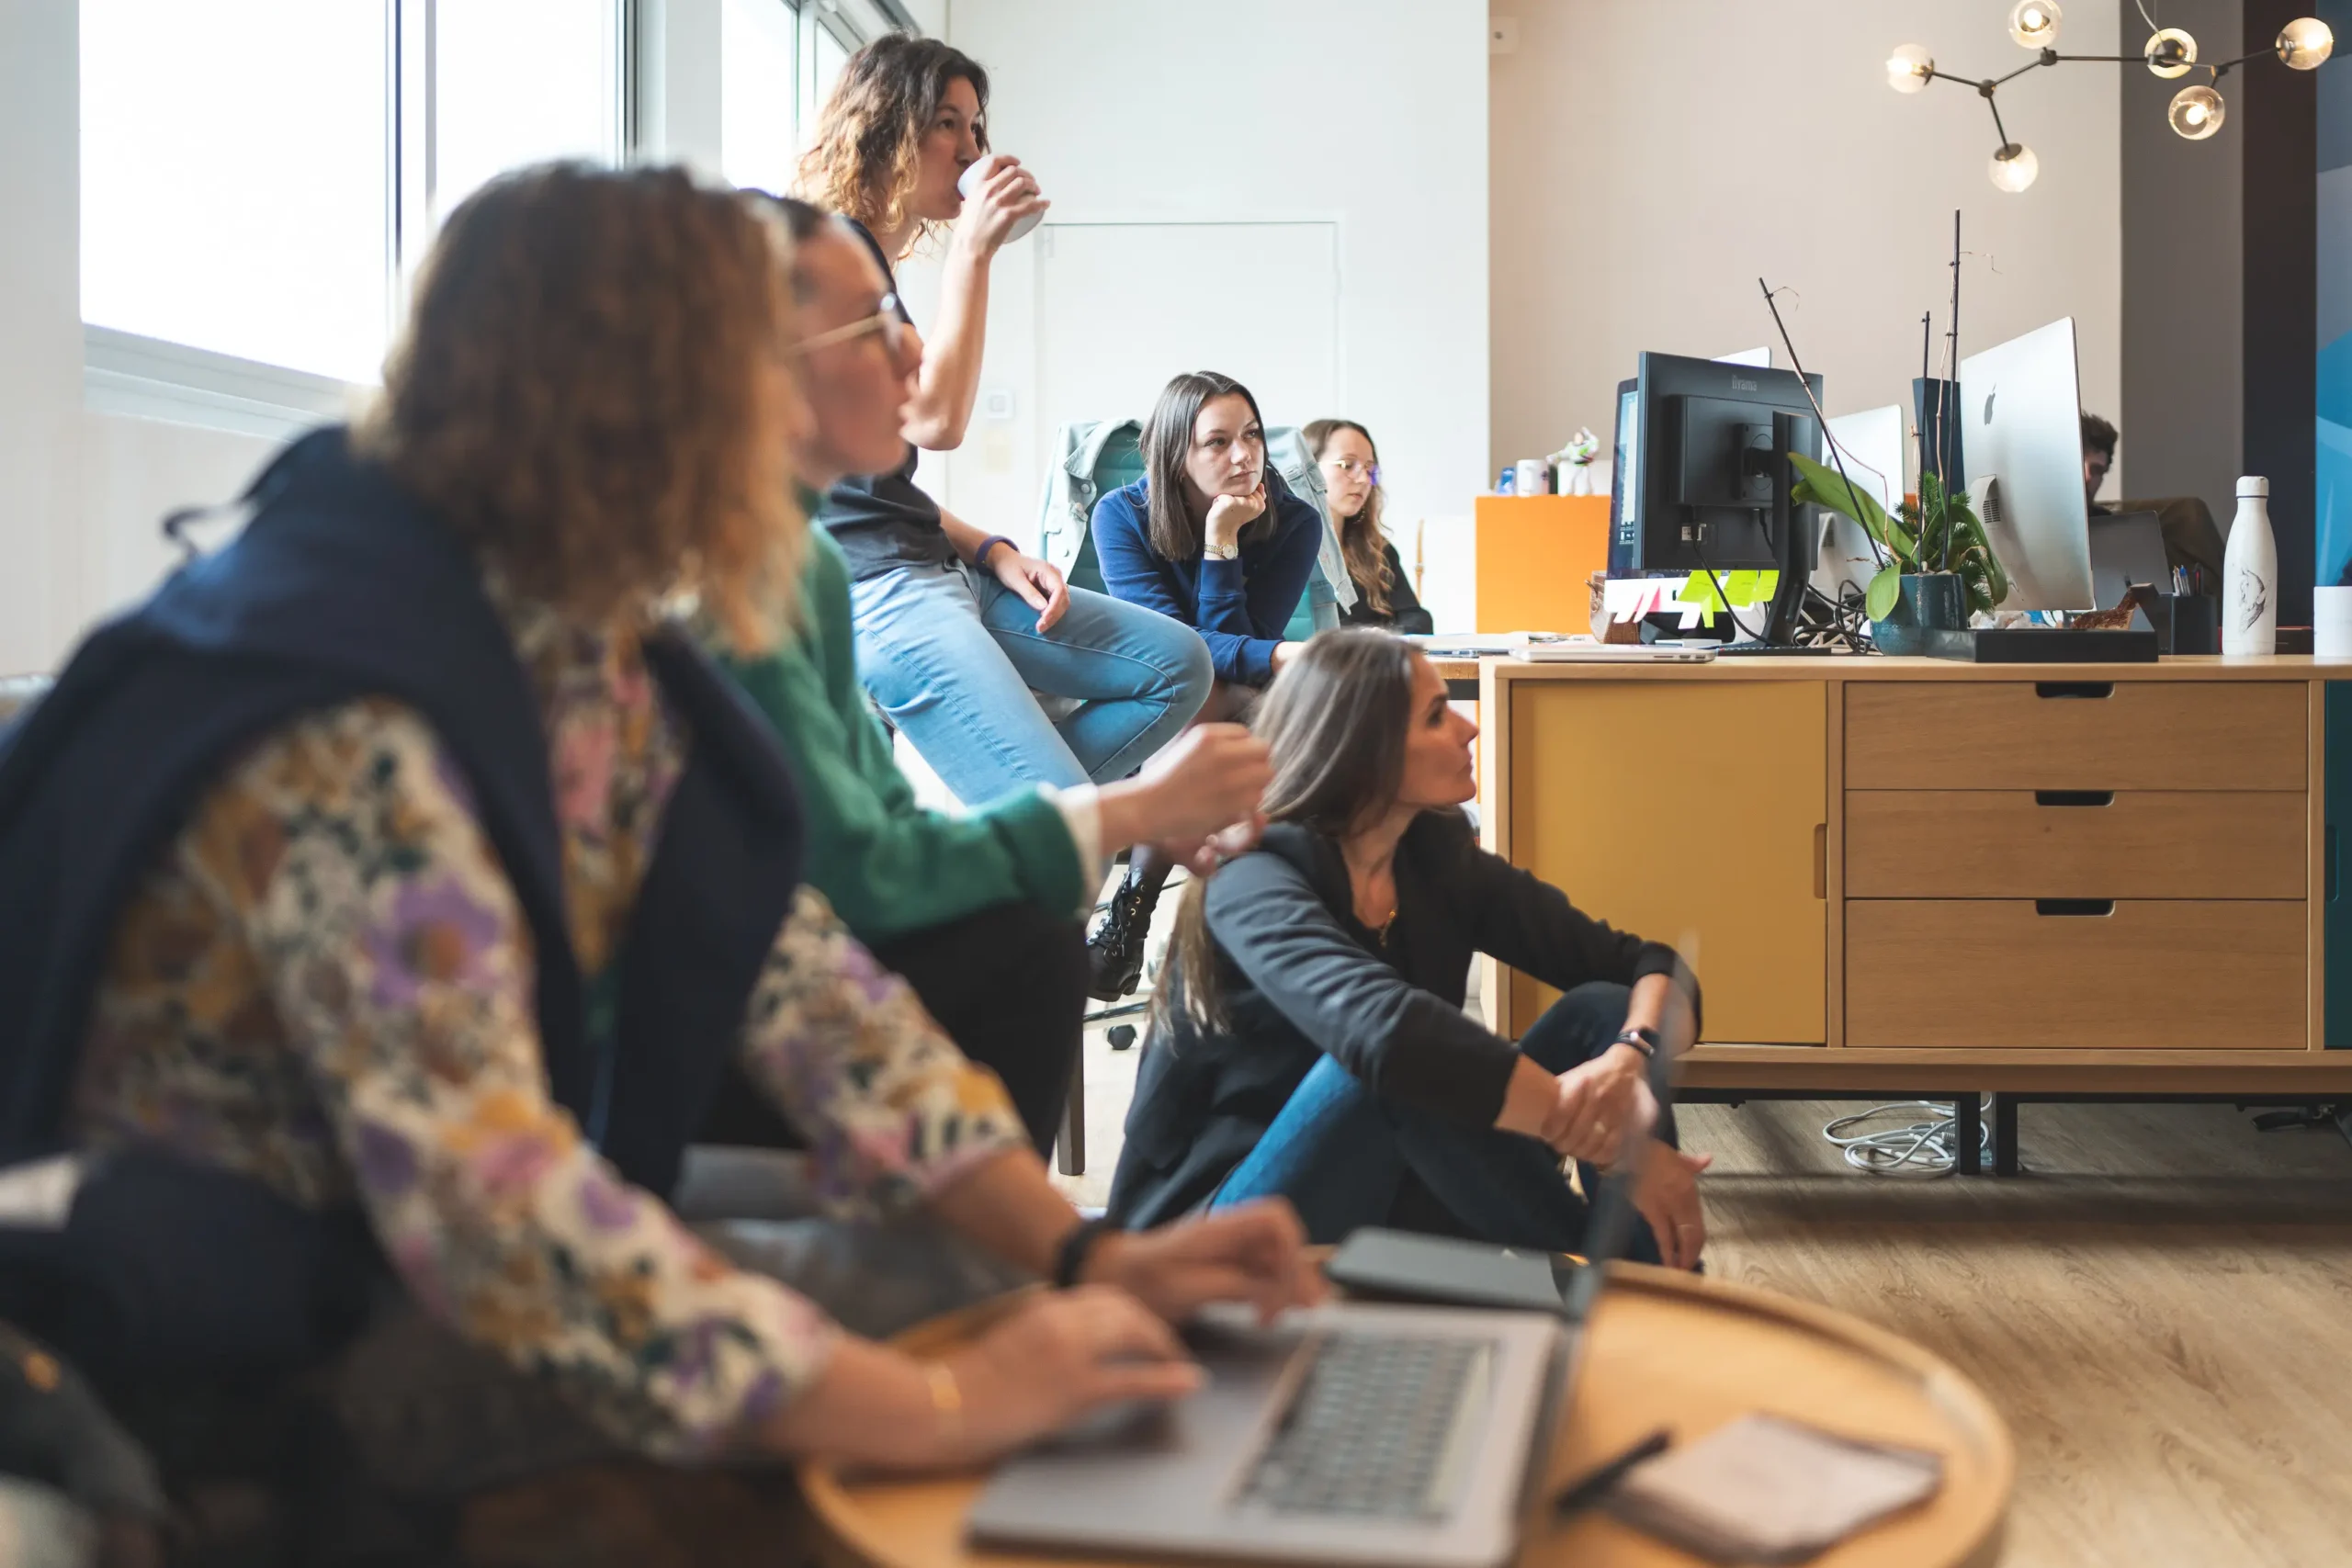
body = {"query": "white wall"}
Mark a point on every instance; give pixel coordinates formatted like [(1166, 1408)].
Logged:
[(1224, 110), (1652, 158), (81, 492), (40, 328)]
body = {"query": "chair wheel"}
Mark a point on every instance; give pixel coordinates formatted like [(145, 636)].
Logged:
[(1122, 1037)]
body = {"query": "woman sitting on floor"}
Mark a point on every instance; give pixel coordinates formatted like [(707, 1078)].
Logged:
[(1350, 465), (1309, 1037), (425, 878), (1213, 538)]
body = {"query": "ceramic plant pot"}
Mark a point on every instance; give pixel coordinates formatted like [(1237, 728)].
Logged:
[(1932, 603)]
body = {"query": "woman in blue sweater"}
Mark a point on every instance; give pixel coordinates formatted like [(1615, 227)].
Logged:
[(1213, 538)]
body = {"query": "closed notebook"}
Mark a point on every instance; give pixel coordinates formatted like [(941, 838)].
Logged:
[(1769, 1490)]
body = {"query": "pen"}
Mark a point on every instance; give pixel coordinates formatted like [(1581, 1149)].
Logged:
[(1579, 1496)]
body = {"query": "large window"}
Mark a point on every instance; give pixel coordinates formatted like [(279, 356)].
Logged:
[(236, 178), (258, 176), (778, 60)]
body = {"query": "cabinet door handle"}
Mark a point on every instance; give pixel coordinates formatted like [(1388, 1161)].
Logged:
[(1821, 860), (2074, 797), (2074, 908), (2089, 691)]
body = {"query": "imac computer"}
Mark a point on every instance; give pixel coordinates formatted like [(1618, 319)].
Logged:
[(1702, 479), (1872, 442), (2021, 438)]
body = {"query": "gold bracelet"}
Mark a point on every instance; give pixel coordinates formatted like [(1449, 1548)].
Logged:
[(946, 1400)]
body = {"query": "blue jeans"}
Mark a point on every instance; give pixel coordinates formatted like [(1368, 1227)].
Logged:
[(1341, 1153), (953, 656)]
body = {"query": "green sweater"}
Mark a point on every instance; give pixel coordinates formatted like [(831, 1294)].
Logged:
[(887, 866)]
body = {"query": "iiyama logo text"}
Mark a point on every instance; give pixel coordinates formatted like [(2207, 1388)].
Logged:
[(1737, 385)]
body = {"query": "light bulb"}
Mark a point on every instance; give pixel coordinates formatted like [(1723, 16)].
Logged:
[(2170, 53), (2305, 43), (2197, 112), (2014, 167), (1908, 68), (2034, 23)]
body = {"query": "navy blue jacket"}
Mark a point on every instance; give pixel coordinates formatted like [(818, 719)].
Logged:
[(1238, 607), (343, 587)]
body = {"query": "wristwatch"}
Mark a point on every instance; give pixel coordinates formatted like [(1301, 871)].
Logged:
[(1070, 1257), (1645, 1041), (1230, 552)]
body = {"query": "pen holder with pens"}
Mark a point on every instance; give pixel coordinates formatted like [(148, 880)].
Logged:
[(2185, 622)]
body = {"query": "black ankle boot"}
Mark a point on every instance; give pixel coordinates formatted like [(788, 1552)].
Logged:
[(1114, 950)]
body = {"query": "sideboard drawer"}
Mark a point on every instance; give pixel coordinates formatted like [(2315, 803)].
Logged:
[(1958, 843), (2153, 975), (2087, 734)]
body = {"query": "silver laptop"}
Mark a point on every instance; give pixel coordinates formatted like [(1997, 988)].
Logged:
[(1381, 1436), (1618, 653)]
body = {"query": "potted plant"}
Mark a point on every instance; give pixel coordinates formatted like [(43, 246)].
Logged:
[(1937, 568)]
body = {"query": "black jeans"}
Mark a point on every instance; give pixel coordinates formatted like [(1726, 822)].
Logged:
[(1007, 983)]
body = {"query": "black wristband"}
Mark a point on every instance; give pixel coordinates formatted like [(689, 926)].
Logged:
[(1069, 1258), (1645, 1041)]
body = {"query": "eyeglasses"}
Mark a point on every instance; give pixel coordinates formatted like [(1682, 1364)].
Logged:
[(1370, 472), (890, 320)]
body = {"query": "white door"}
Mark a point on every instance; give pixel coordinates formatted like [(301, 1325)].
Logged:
[(1123, 307)]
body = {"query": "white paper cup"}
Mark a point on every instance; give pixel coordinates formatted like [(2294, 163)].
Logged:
[(2332, 622), (1533, 475), (976, 175)]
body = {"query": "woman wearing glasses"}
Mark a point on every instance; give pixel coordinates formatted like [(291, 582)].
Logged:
[(1350, 466), (956, 628), (405, 962), (978, 911)]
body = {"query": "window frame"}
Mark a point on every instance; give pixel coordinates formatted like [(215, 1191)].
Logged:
[(132, 374)]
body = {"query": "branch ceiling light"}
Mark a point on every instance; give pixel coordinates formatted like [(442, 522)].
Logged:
[(2197, 111)]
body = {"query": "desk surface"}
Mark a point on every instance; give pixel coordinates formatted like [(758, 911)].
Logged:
[(1880, 667), (1666, 1349)]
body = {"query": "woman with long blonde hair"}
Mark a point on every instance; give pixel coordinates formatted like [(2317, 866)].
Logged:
[(958, 627), (1350, 465), (425, 880)]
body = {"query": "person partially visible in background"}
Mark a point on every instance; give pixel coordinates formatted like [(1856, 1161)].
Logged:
[(2098, 456), (1350, 466)]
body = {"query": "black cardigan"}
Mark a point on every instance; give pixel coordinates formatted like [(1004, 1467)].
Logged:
[(1302, 977), (1404, 612)]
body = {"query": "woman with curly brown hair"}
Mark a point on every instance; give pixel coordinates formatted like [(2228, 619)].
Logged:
[(382, 901), (956, 628)]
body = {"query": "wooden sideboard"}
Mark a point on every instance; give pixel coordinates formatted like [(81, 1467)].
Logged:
[(1915, 875)]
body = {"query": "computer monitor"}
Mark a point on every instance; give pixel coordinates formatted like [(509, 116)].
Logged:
[(2022, 430), (1872, 442), (1702, 479)]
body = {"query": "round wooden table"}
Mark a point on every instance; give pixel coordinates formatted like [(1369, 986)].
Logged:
[(1666, 1349)]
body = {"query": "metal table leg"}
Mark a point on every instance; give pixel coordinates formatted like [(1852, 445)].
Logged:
[(1069, 1149), (2005, 1135), (1967, 1132)]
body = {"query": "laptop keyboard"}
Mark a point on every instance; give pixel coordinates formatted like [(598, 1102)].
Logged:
[(1371, 1429)]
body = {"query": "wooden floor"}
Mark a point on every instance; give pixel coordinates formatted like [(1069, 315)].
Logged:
[(2161, 1306)]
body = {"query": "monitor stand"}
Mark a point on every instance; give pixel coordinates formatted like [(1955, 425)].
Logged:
[(1795, 530)]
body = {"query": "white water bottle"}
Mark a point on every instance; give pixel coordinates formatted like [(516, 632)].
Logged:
[(2250, 574)]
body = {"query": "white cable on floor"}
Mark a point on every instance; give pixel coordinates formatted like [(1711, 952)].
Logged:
[(1920, 1151)]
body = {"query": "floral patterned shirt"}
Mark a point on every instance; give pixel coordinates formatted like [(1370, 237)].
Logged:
[(326, 983)]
